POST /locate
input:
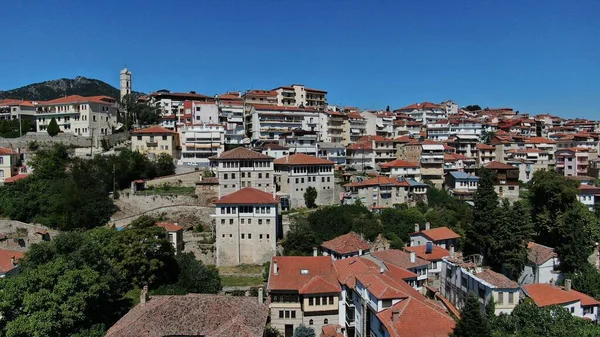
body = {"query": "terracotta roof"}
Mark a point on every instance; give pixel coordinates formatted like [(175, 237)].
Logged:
[(154, 129), (346, 244), (584, 298), (360, 146), (268, 107), (436, 254), (296, 272), (416, 319), (247, 196), (539, 254), (347, 269), (399, 258), (18, 102), (378, 181), (331, 331), (169, 227), (496, 165), (587, 189), (537, 140), (417, 106), (16, 178), (398, 273), (261, 93), (72, 99), (319, 285), (193, 315), (399, 163), (374, 138), (381, 286), (240, 153), (355, 115), (485, 147), (302, 159), (496, 279), (5, 151), (6, 256), (544, 294), (437, 234)]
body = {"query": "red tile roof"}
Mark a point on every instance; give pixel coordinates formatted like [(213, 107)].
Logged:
[(73, 99), (331, 331), (169, 227), (13, 102), (261, 93), (360, 146), (6, 151), (399, 163), (302, 159), (378, 181), (399, 258), (484, 147), (193, 315), (296, 272), (319, 285), (436, 254), (439, 233), (544, 294), (538, 140), (155, 130), (375, 138), (496, 165), (417, 106), (539, 254), (497, 279), (6, 256), (247, 196), (398, 273), (347, 269), (584, 298), (416, 319), (240, 153), (381, 286), (15, 178), (346, 244), (268, 107)]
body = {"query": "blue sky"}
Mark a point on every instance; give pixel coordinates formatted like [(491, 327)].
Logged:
[(534, 56)]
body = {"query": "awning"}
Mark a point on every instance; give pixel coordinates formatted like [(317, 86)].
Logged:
[(355, 130), (379, 125)]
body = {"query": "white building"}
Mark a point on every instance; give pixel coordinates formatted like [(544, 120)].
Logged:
[(270, 122), (245, 227), (174, 235), (402, 168), (441, 236), (425, 113), (199, 142), (171, 105), (588, 195), (541, 266), (577, 303), (405, 260), (379, 123)]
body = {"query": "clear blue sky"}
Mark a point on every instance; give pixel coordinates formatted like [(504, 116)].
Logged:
[(535, 56)]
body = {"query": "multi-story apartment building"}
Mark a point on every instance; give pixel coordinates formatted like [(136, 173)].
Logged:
[(270, 122), (298, 95), (462, 185), (171, 106), (574, 161), (465, 144), (9, 164), (377, 192), (241, 167), (200, 142), (461, 126), (78, 115), (459, 162), (383, 148), (245, 227), (16, 108), (432, 162), (295, 173), (485, 154), (356, 126), (155, 140), (380, 123), (266, 97), (438, 130), (333, 127), (231, 116), (300, 141), (304, 291), (401, 168), (425, 112), (360, 155), (506, 179), (459, 278), (199, 112), (335, 152)]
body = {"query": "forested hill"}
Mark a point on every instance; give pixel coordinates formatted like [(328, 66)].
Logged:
[(62, 87)]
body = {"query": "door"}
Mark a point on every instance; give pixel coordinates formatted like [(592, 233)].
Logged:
[(289, 330)]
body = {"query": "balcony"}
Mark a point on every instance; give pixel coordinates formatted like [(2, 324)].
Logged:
[(151, 143)]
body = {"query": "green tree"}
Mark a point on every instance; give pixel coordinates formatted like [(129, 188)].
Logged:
[(304, 331), (300, 239), (586, 280), (485, 212), (473, 322), (271, 332), (164, 165), (401, 222), (578, 230), (310, 196), (193, 277), (474, 107), (144, 221), (487, 136), (53, 128), (329, 222)]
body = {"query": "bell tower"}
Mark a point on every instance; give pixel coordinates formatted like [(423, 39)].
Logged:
[(125, 82)]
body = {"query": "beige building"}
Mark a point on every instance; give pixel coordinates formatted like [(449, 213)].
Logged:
[(9, 164), (245, 227), (299, 95), (378, 192), (295, 173), (356, 127), (154, 141), (174, 235), (241, 167)]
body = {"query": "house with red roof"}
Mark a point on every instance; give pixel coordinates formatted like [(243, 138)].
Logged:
[(295, 173), (440, 236), (485, 154), (401, 168), (405, 260), (10, 165), (246, 227), (577, 303), (174, 234), (154, 141), (17, 108), (9, 262), (345, 246), (379, 191), (506, 179), (541, 266), (574, 161), (588, 195), (434, 254)]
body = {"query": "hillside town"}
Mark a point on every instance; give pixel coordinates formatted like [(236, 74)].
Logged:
[(403, 221)]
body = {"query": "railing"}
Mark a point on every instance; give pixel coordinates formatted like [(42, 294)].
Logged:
[(152, 143)]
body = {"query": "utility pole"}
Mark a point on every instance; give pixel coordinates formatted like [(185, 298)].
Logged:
[(91, 142)]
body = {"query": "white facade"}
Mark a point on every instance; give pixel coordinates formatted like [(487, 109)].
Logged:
[(125, 82), (270, 122), (199, 142)]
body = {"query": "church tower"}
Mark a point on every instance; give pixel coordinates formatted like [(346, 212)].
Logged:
[(125, 82)]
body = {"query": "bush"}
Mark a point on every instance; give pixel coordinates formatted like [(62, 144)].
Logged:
[(53, 128)]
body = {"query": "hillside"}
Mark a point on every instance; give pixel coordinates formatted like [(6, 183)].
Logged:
[(62, 87)]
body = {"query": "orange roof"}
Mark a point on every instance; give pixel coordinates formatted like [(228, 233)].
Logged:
[(153, 129), (398, 273), (247, 196), (497, 279), (346, 244), (484, 147), (417, 106), (240, 153), (360, 146), (6, 151), (416, 319), (6, 256), (296, 272), (10, 102), (584, 298), (399, 163), (437, 234), (399, 258), (539, 254), (496, 165), (436, 254), (376, 138), (347, 269), (355, 115), (381, 286), (169, 227), (318, 285), (80, 99), (302, 159), (537, 140), (544, 294), (331, 331), (378, 181), (15, 178)]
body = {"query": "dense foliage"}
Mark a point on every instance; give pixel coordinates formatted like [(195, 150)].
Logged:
[(138, 113), (304, 331), (13, 128), (310, 196), (53, 128), (68, 193), (472, 323)]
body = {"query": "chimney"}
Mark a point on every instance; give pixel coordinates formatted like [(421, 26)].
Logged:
[(395, 315), (568, 284), (260, 295), (417, 227), (144, 295), (427, 226), (413, 257), (13, 261), (315, 251), (275, 268), (381, 270), (452, 251)]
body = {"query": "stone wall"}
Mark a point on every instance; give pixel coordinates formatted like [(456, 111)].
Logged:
[(64, 138), (20, 236), (183, 179), (199, 244)]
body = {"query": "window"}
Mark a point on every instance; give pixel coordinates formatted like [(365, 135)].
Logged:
[(325, 321), (139, 137), (511, 298), (243, 236), (233, 176), (322, 179), (243, 174), (328, 179), (249, 236), (280, 313), (572, 309), (330, 301), (317, 301), (249, 221), (287, 314), (260, 236), (222, 221), (260, 221), (310, 301), (310, 322), (260, 176), (268, 236), (500, 297), (267, 175), (293, 314), (268, 221), (225, 176), (231, 221), (242, 221)]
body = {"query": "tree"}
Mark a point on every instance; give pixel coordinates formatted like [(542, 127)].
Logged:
[(300, 239), (473, 107), (53, 128), (387, 108), (485, 211), (310, 196), (578, 229), (473, 322), (271, 332), (487, 136), (329, 222), (144, 221), (165, 165), (586, 280), (193, 277), (304, 331)]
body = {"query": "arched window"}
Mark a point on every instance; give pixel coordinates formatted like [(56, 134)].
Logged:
[(325, 321), (310, 322)]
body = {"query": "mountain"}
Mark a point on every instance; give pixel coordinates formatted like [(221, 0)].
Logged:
[(62, 87)]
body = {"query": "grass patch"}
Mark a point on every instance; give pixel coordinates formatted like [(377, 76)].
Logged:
[(241, 269), (241, 281), (169, 190)]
